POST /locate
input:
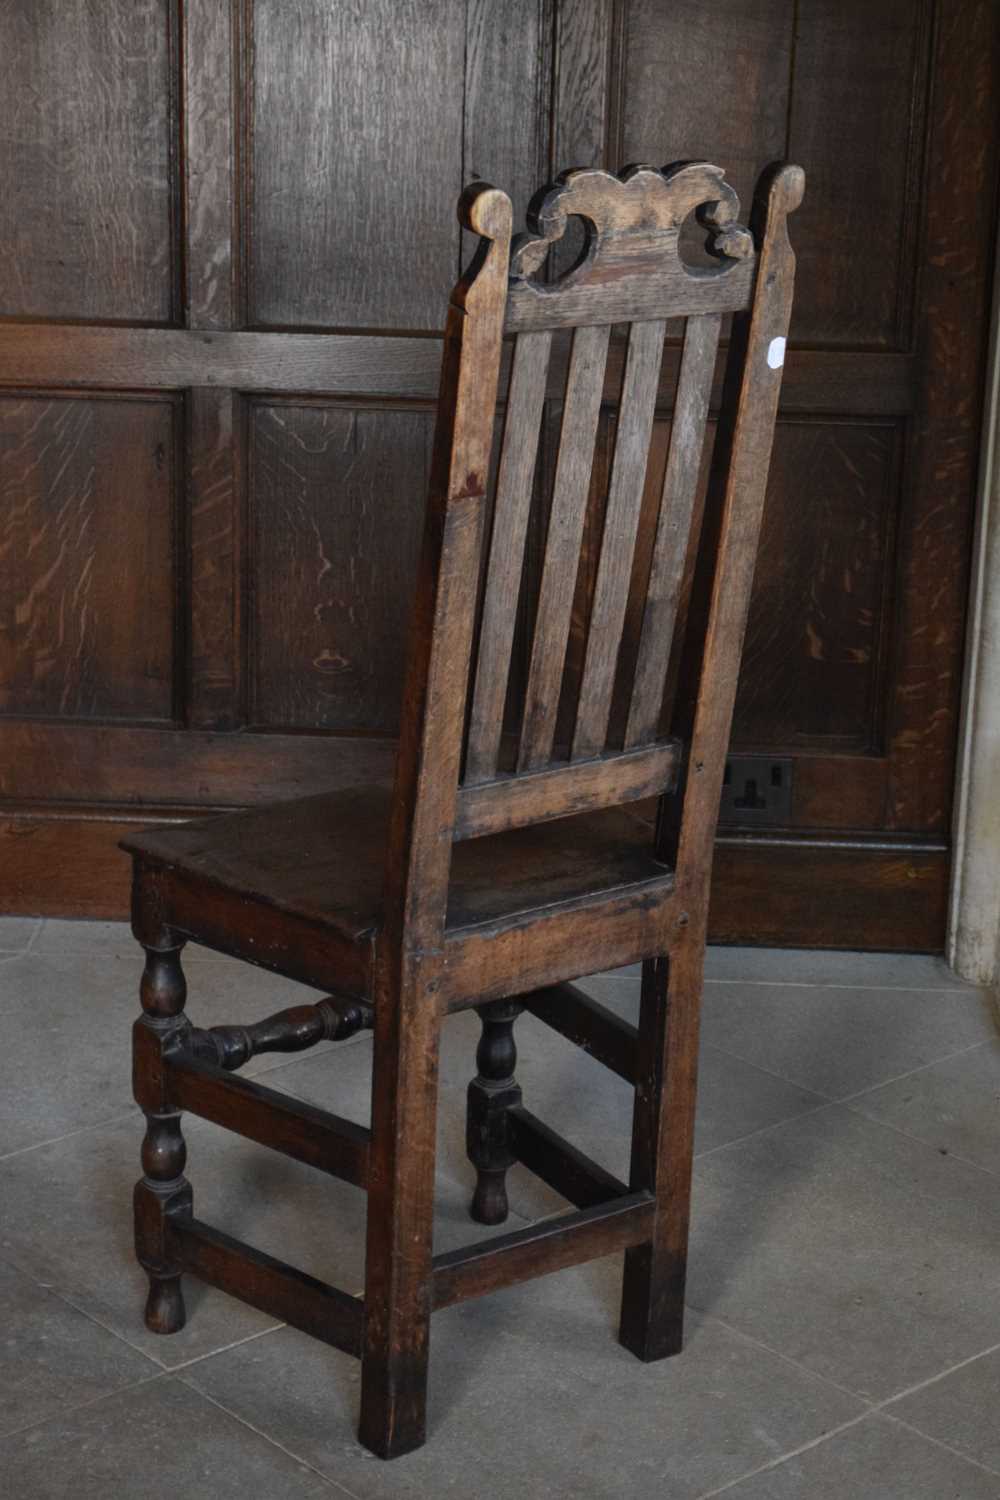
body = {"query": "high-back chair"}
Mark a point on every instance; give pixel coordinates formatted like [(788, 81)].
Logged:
[(499, 866)]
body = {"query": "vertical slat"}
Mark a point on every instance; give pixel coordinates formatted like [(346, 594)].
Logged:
[(208, 102), (621, 522), (525, 403), (214, 446), (680, 484), (581, 409)]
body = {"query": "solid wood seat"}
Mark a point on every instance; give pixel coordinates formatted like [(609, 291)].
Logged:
[(322, 859), (508, 857)]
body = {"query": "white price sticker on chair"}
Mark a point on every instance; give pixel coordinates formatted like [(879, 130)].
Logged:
[(776, 353)]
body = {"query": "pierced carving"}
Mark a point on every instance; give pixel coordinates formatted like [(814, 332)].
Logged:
[(292, 1030), (631, 266)]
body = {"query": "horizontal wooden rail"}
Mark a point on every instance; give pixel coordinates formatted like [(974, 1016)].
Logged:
[(556, 1161), (561, 790), (60, 356), (522, 955), (300, 1130), (542, 1248), (583, 1020), (275, 1288)]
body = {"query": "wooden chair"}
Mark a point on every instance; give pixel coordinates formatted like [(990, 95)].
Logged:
[(486, 879)]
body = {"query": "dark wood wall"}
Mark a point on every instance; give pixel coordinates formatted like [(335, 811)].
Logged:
[(227, 236)]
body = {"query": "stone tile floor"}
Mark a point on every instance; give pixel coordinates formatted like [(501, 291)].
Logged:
[(844, 1326)]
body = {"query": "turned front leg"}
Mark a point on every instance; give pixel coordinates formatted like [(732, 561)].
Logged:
[(490, 1096), (163, 1189)]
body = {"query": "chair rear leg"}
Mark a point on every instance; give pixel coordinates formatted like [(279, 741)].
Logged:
[(163, 1189), (400, 1220), (490, 1096), (652, 1315)]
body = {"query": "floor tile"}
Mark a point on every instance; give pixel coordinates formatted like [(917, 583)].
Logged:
[(556, 1409), (839, 1042), (158, 1442), (874, 1460), (906, 971), (866, 1256), (52, 1357), (16, 933), (954, 1105), (66, 1059), (960, 1409)]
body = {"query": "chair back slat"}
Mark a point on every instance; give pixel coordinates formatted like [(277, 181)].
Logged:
[(680, 484), (610, 746), (621, 524), (581, 409), (512, 506)]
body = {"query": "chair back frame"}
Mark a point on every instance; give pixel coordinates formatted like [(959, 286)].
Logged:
[(631, 269)]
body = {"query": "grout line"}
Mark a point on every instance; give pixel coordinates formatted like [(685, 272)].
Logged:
[(288, 1452), (941, 1375), (828, 984), (920, 1140), (87, 1312), (65, 1410), (794, 1083), (198, 1359), (938, 1443), (775, 1463), (788, 1359), (71, 1134), (775, 1125), (912, 1072)]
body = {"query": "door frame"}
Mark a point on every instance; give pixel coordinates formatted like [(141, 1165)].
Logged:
[(973, 941)]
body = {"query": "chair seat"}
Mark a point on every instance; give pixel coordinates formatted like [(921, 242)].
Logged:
[(322, 858)]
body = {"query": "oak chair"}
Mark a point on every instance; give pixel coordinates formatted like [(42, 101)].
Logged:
[(496, 869)]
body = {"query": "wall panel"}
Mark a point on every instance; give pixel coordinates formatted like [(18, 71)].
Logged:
[(87, 574), (336, 505), (87, 221)]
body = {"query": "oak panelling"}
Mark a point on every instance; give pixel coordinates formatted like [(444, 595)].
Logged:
[(41, 761), (356, 146), (336, 508), (857, 116), (873, 383), (87, 577), (210, 102), (707, 82), (87, 214), (827, 893), (507, 79), (961, 171), (215, 447), (583, 100), (815, 644)]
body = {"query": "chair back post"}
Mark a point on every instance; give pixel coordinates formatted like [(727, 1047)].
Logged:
[(720, 600), (441, 623)]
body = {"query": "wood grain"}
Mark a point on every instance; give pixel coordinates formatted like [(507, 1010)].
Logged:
[(335, 509), (215, 449), (578, 430), (87, 581), (87, 224), (347, 156)]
